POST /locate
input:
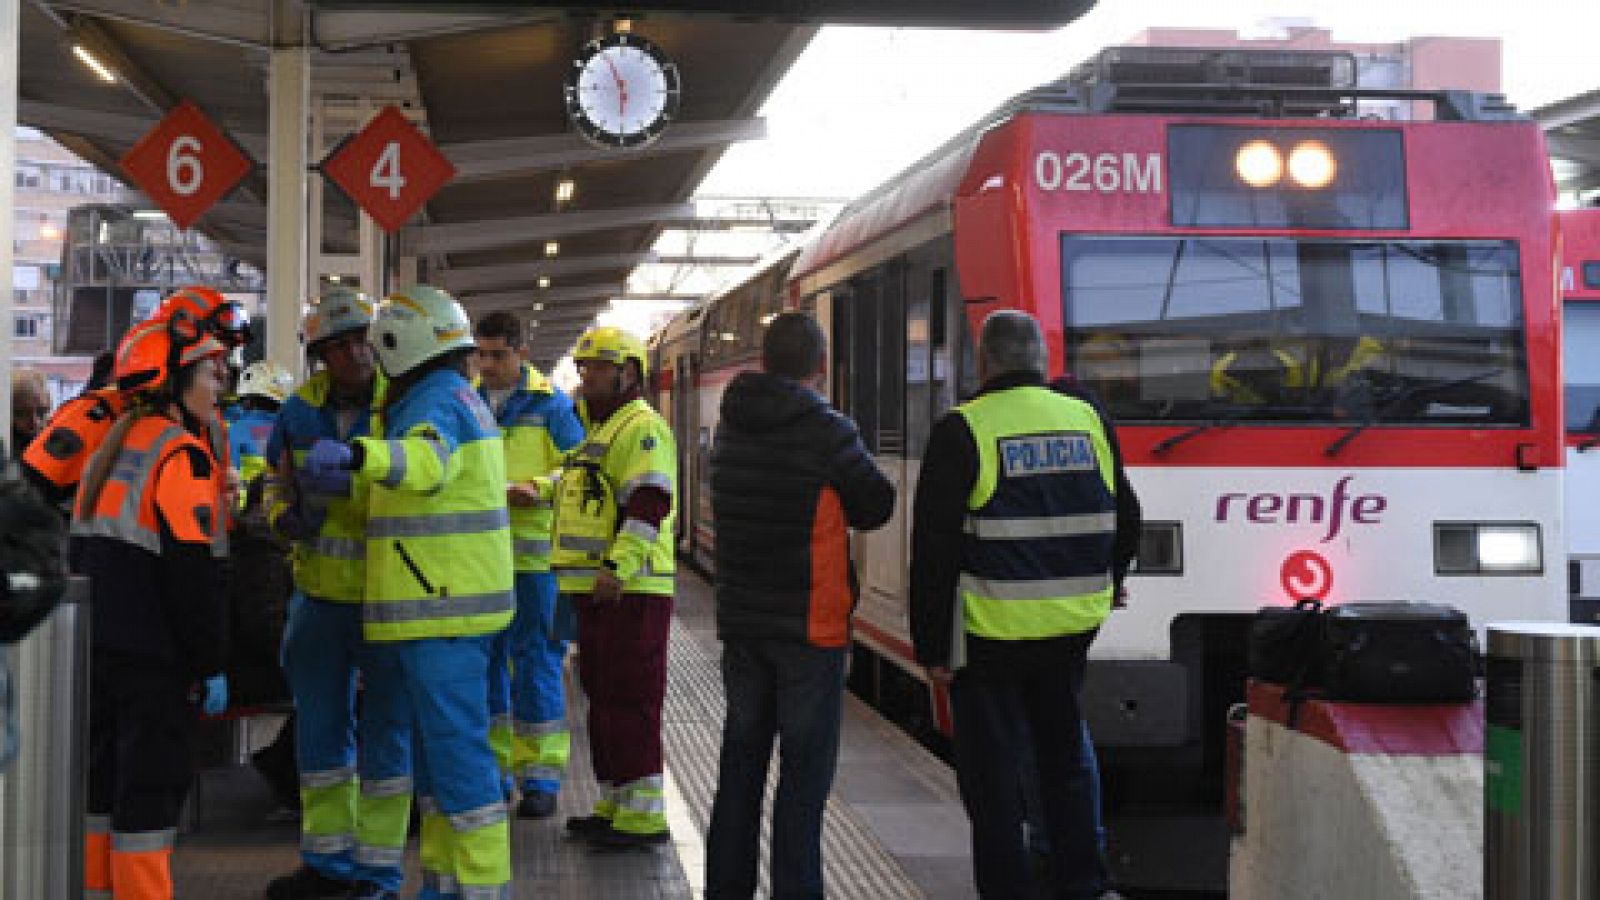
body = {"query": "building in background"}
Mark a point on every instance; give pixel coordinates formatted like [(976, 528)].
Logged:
[(1420, 63)]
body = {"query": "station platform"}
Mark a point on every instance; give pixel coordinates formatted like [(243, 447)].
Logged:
[(894, 826)]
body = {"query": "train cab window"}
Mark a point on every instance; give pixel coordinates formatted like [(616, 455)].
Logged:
[(1311, 331), (1591, 274), (1580, 323)]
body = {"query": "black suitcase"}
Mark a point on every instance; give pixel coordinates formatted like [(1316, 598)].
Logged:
[(1286, 644), (1398, 653)]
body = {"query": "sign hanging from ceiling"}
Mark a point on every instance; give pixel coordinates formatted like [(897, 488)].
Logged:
[(185, 164), (389, 169)]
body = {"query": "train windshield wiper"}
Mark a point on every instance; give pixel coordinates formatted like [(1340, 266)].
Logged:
[(1410, 393), (1223, 421)]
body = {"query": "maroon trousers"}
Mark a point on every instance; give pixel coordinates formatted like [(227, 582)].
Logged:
[(622, 665)]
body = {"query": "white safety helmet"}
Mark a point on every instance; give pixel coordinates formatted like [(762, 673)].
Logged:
[(416, 324), (266, 379), (340, 310)]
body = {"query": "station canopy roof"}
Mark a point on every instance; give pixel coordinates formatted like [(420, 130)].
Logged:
[(1572, 133), (484, 81)]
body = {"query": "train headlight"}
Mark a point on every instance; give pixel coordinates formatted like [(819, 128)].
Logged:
[(1258, 164), (1481, 548), (1311, 164)]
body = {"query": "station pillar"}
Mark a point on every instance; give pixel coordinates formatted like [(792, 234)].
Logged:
[(287, 265)]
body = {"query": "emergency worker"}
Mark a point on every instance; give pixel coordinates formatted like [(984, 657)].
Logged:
[(613, 556), (151, 512), (438, 587), (30, 408), (1012, 572), (263, 389), (527, 706), (1256, 374), (322, 641)]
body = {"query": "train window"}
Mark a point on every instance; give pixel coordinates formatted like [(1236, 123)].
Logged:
[(1312, 331), (1581, 334), (1591, 274), (892, 327)]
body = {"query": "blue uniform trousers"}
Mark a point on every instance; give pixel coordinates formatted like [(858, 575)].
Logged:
[(321, 653), (527, 698), (425, 712)]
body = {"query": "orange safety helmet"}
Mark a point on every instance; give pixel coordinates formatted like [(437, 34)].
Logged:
[(154, 350), (223, 318)]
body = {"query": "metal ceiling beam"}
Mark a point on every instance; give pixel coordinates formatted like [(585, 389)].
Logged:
[(1577, 149), (711, 260), (116, 127), (334, 29), (550, 297), (506, 157), (489, 233), (102, 46), (228, 23), (511, 274), (1571, 111)]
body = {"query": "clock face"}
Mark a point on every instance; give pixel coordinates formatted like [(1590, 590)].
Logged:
[(622, 91)]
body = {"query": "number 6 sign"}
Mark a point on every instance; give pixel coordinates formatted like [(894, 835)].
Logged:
[(388, 168), (185, 164)]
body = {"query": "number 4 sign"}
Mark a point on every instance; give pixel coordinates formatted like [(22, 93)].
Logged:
[(185, 164), (388, 168)]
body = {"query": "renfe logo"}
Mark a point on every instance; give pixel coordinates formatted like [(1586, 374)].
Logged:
[(1296, 509)]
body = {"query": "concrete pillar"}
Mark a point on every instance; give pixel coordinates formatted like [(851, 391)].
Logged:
[(288, 93), (8, 165)]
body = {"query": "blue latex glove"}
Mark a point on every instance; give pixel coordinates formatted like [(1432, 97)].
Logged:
[(216, 696), (327, 468)]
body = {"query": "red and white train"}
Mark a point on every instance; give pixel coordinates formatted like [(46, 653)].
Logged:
[(1330, 343), (1580, 305)]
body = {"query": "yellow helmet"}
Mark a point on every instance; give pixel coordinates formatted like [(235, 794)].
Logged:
[(611, 344)]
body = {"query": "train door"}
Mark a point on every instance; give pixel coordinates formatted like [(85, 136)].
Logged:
[(869, 376)]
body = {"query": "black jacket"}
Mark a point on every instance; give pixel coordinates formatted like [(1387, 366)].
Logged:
[(788, 476), (949, 468)]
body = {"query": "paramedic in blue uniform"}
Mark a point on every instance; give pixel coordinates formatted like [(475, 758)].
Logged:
[(1015, 524)]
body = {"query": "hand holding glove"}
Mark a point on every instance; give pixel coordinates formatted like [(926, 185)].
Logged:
[(215, 700), (327, 468)]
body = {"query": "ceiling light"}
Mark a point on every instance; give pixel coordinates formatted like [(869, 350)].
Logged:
[(538, 306), (334, 279), (544, 281), (551, 248), (87, 58), (149, 214), (565, 188)]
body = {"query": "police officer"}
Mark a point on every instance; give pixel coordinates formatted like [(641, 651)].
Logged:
[(1011, 575), (526, 695), (613, 555), (322, 641), (151, 514), (438, 587)]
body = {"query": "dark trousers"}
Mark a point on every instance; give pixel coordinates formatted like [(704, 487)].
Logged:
[(622, 665), (793, 692), (140, 720), (1014, 700)]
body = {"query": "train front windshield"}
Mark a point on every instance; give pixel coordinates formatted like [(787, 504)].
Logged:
[(1298, 331)]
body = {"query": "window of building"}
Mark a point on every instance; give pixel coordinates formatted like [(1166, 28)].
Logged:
[(25, 327)]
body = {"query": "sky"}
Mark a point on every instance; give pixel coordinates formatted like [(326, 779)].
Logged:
[(860, 104)]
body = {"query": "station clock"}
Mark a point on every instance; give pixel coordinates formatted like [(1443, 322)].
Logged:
[(622, 91)]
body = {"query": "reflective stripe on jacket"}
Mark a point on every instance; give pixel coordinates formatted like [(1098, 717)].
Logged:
[(438, 535), (1036, 559), (131, 503), (332, 565), (631, 449), (538, 424)]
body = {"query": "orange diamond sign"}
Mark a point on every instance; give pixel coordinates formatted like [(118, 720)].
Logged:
[(185, 164), (389, 169)]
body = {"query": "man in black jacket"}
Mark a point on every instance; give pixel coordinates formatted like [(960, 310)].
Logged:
[(789, 477)]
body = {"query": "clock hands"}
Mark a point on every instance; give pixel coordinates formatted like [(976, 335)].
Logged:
[(622, 87)]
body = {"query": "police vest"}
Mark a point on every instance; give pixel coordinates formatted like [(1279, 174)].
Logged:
[(122, 506), (332, 565), (438, 533), (72, 435), (631, 449), (1036, 555), (530, 454)]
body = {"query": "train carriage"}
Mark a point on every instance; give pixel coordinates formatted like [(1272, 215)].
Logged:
[(1330, 343), (1580, 304)]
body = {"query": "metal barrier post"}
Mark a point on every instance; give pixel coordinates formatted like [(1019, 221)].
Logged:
[(1541, 762), (42, 793)]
